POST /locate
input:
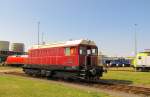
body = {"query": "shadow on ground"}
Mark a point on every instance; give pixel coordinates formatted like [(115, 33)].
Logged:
[(115, 81)]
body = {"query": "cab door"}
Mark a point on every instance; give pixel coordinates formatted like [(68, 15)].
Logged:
[(82, 56)]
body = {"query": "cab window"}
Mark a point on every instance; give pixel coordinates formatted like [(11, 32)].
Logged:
[(94, 51), (88, 51), (72, 51), (82, 51), (67, 51)]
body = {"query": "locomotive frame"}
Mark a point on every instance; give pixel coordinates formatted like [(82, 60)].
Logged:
[(72, 59)]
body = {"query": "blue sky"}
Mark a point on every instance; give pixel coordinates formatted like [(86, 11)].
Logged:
[(110, 23)]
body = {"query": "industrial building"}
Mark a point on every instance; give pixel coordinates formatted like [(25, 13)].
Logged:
[(5, 51)]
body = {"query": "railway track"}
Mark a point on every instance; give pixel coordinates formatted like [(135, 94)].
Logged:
[(142, 91)]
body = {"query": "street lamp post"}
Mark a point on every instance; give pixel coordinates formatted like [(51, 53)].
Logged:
[(38, 33), (135, 40), (43, 38)]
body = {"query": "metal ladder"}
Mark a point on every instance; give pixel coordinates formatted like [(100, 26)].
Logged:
[(83, 72)]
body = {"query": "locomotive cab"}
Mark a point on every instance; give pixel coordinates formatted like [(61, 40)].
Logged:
[(88, 60), (88, 55)]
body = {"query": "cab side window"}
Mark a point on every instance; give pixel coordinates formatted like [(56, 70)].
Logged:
[(82, 51), (72, 50), (67, 51)]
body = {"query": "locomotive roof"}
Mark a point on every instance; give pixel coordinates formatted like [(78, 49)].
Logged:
[(65, 44)]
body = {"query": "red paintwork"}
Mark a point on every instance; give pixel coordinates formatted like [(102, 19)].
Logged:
[(16, 59), (54, 56)]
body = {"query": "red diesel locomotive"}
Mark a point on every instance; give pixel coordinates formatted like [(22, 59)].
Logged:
[(16, 60), (71, 59)]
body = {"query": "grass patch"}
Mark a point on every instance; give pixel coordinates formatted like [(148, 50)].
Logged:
[(135, 77), (11, 86)]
